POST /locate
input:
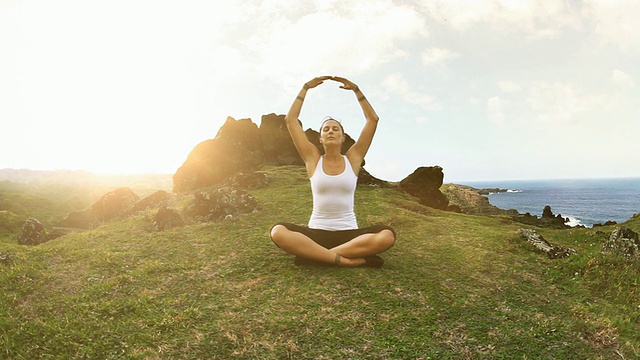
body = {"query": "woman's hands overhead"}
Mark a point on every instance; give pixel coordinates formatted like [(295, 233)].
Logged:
[(316, 81), (346, 84)]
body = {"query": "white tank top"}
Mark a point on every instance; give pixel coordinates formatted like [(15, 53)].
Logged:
[(333, 199)]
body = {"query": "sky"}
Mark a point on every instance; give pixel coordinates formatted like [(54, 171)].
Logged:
[(486, 89)]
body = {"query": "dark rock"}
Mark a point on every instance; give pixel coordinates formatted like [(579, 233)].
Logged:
[(365, 178), (221, 203), (277, 145), (32, 233), (607, 223), (154, 200), (167, 218), (547, 213), (548, 219), (79, 220), (241, 133), (424, 183), (623, 241), (247, 180), (114, 204), (552, 251), (236, 147), (240, 146), (489, 191)]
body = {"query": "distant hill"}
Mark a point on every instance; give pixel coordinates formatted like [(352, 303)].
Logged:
[(50, 196), (83, 178)]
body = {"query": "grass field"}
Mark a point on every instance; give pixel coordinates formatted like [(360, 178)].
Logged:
[(453, 287)]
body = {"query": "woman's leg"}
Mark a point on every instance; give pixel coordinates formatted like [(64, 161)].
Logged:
[(367, 244), (296, 243)]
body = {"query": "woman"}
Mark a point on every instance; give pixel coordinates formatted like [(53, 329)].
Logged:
[(332, 235)]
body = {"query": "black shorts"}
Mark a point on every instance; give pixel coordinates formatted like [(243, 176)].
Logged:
[(332, 238)]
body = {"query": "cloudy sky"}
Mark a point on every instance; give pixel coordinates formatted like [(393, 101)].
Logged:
[(489, 90)]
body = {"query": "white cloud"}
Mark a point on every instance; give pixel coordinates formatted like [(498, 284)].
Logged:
[(434, 56), (559, 102), (622, 80), (398, 85), (509, 87), (616, 22), (537, 19), (332, 38), (495, 109)]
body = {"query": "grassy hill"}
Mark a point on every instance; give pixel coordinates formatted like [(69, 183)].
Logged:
[(50, 196), (454, 287)]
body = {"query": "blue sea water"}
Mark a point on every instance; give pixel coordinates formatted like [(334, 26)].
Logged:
[(583, 201)]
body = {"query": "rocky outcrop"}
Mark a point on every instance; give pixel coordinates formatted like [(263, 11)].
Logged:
[(276, 145), (114, 204), (220, 204), (78, 220), (242, 146), (471, 200), (32, 233), (623, 241), (424, 183), (152, 201), (548, 219), (606, 223), (247, 180), (235, 148), (552, 251), (167, 218)]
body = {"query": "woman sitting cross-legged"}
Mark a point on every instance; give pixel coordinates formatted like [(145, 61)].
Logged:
[(332, 235)]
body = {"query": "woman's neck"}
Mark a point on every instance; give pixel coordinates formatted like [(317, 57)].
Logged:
[(332, 153)]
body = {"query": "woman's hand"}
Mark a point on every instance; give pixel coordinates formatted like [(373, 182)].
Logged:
[(346, 84), (316, 81)]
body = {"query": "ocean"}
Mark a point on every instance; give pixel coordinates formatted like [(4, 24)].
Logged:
[(583, 201)]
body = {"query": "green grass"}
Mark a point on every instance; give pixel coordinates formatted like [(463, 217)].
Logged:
[(453, 287)]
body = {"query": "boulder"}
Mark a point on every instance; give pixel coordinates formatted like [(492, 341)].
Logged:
[(82, 219), (32, 233), (247, 180), (240, 146), (365, 178), (607, 223), (547, 220), (154, 200), (114, 204), (220, 203), (552, 251), (167, 218), (424, 183), (277, 145), (623, 241), (235, 148)]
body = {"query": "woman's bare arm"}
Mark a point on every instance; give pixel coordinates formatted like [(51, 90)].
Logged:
[(305, 148), (358, 150)]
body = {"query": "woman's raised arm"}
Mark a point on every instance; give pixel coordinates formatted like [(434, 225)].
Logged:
[(305, 148), (357, 152)]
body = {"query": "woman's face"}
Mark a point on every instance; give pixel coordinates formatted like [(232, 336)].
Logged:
[(331, 132)]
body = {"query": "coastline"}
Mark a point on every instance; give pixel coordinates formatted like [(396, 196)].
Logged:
[(585, 202)]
